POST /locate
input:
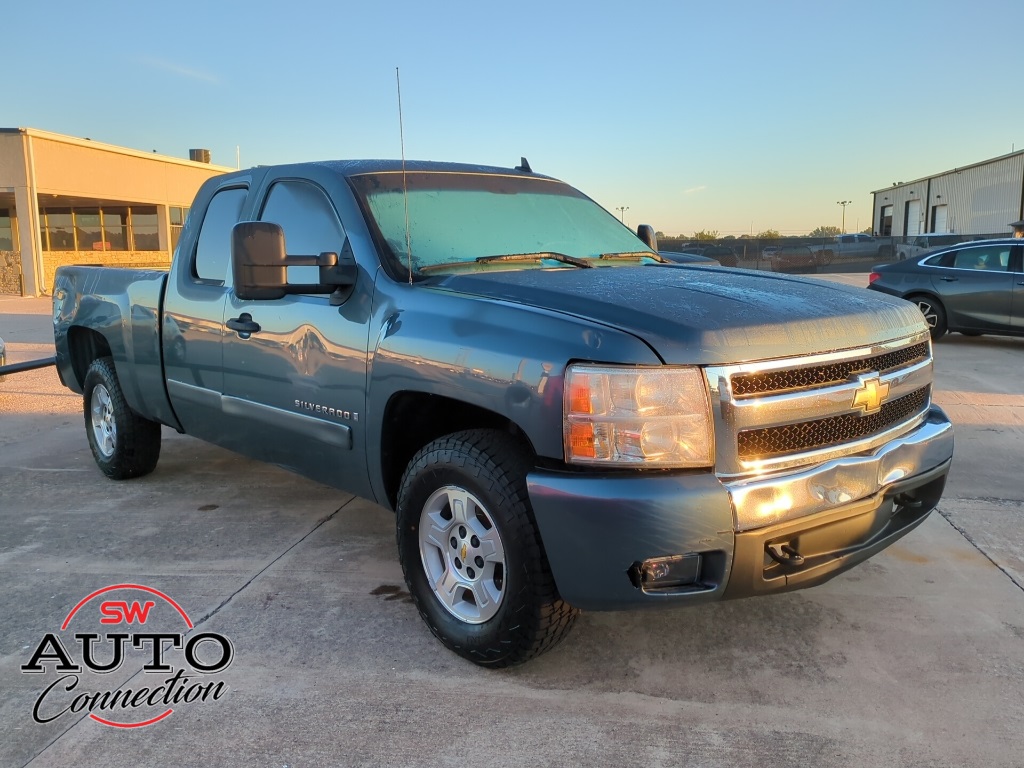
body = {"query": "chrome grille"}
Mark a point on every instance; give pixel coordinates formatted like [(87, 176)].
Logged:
[(822, 433), (786, 413), (768, 382)]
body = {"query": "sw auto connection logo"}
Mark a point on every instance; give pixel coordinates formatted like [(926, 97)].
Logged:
[(177, 671)]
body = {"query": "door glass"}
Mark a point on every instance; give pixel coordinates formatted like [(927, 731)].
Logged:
[(213, 252), (309, 221), (992, 258)]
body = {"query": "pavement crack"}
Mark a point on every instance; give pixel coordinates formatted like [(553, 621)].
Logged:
[(963, 532), (323, 521)]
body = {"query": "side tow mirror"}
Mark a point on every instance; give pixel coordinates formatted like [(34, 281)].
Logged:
[(646, 233), (259, 264)]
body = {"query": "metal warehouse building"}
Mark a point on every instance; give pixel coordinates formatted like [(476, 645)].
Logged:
[(979, 199), (65, 200)]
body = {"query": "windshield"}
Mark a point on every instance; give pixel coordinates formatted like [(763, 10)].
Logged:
[(456, 219)]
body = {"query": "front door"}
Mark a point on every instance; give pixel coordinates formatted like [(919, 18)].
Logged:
[(1017, 303), (294, 385), (978, 290)]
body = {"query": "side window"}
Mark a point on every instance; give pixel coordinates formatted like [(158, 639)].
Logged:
[(213, 251), (942, 260), (310, 224), (993, 258)]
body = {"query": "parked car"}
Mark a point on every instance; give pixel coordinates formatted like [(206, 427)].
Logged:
[(723, 254), (917, 245), (689, 258), (972, 288)]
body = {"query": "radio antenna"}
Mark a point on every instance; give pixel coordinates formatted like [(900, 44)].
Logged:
[(405, 184)]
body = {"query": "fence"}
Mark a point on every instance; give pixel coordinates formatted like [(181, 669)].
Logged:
[(811, 255)]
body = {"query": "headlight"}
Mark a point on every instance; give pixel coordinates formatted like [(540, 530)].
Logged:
[(637, 417)]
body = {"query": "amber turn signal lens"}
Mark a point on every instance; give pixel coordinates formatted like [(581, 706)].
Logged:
[(581, 441), (579, 395)]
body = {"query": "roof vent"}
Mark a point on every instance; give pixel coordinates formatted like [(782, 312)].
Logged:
[(199, 155)]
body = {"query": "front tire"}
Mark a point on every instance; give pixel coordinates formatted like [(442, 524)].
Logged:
[(471, 553), (123, 443), (934, 315)]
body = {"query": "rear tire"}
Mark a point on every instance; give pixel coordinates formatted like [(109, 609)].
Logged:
[(934, 314), (471, 553), (124, 444)]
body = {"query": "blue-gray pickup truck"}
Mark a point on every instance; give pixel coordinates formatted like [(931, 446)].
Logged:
[(560, 419)]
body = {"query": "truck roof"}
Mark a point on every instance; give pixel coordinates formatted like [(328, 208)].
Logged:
[(349, 168)]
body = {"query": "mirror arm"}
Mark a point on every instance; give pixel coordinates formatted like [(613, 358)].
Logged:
[(325, 259)]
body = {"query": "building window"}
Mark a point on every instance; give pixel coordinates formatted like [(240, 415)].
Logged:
[(57, 229), (6, 231), (178, 216), (145, 232), (115, 229), (111, 228), (88, 230)]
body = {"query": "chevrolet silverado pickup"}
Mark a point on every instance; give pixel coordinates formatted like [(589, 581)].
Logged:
[(559, 418)]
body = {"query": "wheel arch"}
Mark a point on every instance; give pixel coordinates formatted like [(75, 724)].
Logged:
[(84, 346), (942, 322), (414, 419), (925, 293)]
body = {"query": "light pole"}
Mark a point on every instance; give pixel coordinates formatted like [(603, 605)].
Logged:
[(622, 213), (844, 203)]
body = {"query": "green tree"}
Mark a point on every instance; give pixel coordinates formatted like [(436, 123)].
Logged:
[(826, 230), (769, 234), (706, 235)]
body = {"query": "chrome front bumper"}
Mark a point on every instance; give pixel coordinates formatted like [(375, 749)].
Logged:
[(764, 501)]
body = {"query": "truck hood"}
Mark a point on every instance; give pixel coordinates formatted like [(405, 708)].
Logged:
[(706, 316)]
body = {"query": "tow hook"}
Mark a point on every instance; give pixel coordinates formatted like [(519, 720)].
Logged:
[(906, 501), (785, 554)]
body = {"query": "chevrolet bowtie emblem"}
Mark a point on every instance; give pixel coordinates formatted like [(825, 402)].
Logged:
[(870, 395)]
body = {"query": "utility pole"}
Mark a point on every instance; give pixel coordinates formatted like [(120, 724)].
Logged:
[(844, 203)]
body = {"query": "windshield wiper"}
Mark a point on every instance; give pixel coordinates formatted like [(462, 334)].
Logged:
[(636, 256), (538, 256)]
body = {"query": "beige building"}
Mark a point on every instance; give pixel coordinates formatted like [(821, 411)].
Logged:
[(65, 200)]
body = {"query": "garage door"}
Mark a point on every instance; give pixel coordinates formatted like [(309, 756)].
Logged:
[(912, 222), (940, 216)]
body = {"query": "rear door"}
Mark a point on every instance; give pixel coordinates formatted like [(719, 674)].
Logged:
[(977, 290), (193, 316)]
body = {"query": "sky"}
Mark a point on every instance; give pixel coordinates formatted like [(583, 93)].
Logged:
[(735, 117)]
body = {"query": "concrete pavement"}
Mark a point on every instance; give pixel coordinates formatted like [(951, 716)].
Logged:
[(915, 658)]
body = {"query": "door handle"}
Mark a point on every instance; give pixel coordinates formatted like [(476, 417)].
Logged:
[(949, 279), (244, 325)]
